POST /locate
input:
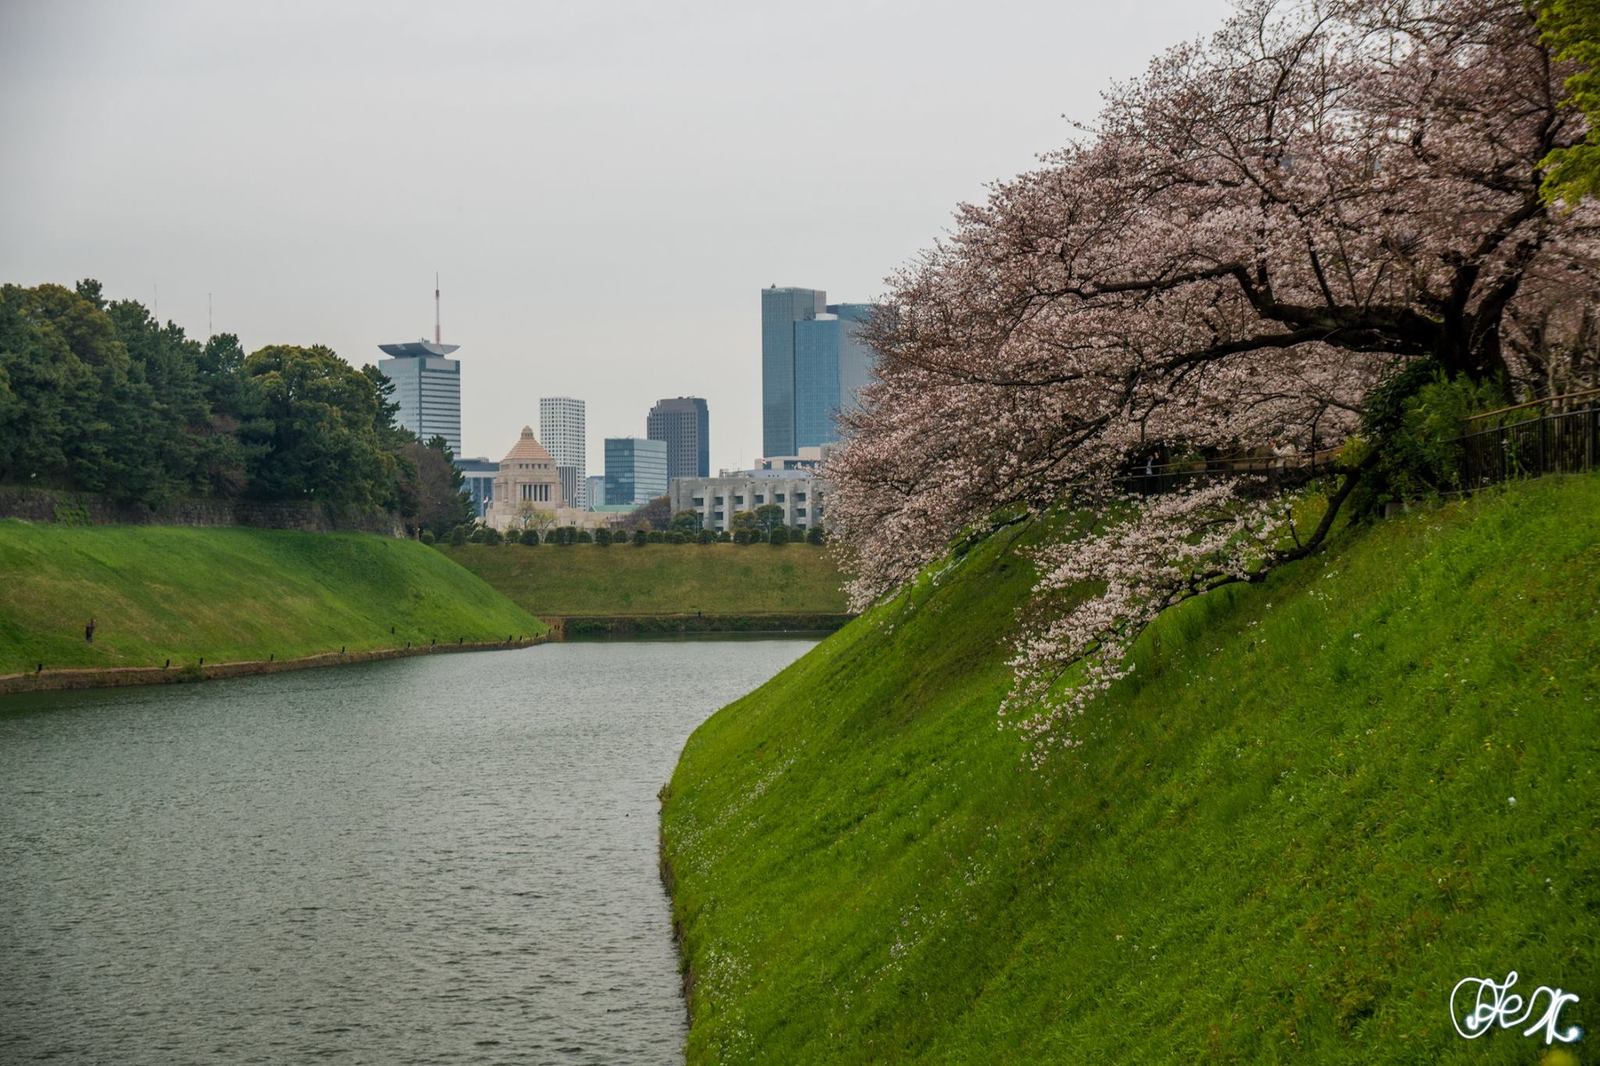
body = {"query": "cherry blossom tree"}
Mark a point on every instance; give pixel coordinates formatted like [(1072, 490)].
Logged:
[(1255, 236)]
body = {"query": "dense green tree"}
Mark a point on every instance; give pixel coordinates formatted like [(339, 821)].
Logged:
[(1572, 28), (325, 418), (687, 522), (769, 516), (602, 537), (640, 538)]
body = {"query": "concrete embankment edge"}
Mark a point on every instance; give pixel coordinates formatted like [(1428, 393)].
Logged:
[(124, 676), (572, 627)]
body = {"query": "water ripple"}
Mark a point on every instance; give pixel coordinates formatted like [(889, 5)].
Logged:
[(447, 860)]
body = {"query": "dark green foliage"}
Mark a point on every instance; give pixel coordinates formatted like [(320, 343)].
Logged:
[(640, 538), (585, 537), (778, 536), (530, 537), (769, 516), (815, 535), (426, 536), (602, 537), (458, 536), (98, 396), (686, 522), (705, 536), (655, 536), (676, 537), (1412, 425)]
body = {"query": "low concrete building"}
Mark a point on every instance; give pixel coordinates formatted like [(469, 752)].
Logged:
[(719, 498)]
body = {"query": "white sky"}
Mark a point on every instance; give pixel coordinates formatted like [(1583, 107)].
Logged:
[(604, 188)]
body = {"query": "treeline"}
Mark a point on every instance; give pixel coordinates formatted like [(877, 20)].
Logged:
[(98, 396), (569, 535)]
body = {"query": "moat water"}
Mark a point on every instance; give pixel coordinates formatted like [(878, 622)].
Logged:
[(437, 860)]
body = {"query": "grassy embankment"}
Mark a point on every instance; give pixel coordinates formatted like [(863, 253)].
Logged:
[(1317, 805), (665, 587), (229, 595)]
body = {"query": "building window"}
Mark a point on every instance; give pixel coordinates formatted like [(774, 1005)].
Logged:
[(778, 498), (698, 501), (799, 512), (799, 497), (738, 500), (761, 499)]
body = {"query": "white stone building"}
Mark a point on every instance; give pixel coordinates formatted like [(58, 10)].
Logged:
[(719, 498)]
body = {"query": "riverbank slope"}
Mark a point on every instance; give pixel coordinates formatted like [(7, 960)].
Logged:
[(663, 588), (1316, 805), (230, 595)]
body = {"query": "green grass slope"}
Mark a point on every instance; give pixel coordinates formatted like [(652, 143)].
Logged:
[(229, 595), (1284, 840), (585, 580)]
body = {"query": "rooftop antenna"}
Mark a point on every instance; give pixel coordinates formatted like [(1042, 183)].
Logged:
[(438, 338)]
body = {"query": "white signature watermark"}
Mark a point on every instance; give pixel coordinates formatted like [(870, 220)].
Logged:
[(1478, 1004)]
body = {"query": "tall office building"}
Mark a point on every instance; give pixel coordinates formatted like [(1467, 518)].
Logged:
[(813, 362), (597, 490), (427, 386), (685, 424), (561, 429), (636, 470)]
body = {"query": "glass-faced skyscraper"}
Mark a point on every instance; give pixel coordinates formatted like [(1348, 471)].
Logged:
[(685, 424), (813, 362), (561, 430), (636, 470), (427, 386)]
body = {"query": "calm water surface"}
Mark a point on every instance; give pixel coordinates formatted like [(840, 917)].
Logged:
[(435, 860)]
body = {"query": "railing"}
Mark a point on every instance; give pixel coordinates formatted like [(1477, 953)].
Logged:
[(1564, 440), (1275, 471), (1561, 442)]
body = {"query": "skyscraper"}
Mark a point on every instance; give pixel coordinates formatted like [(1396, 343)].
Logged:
[(561, 429), (636, 470), (685, 424), (813, 362), (427, 386)]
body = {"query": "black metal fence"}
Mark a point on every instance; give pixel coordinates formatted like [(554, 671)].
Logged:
[(1272, 473), (1557, 442), (1553, 437)]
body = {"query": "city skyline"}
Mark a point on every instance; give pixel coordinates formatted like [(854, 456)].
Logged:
[(211, 152)]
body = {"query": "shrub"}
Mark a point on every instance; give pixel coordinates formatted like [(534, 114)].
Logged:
[(778, 536), (676, 537), (815, 535), (585, 537), (640, 538), (741, 536), (602, 537), (426, 536), (656, 536), (530, 537), (705, 536), (458, 536), (491, 536)]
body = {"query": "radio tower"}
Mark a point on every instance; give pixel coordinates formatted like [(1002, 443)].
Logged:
[(438, 338)]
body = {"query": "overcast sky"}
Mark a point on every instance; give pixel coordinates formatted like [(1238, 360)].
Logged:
[(604, 188)]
